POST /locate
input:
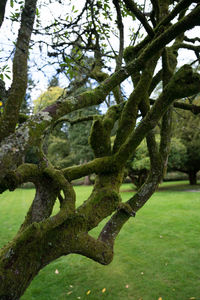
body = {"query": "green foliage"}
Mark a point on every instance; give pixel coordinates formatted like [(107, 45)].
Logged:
[(176, 160), (177, 156), (186, 128), (58, 151), (141, 158), (47, 98), (53, 82), (16, 9), (5, 72), (79, 134)]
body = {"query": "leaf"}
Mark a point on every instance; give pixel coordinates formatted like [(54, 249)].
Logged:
[(69, 293), (7, 76), (1, 103), (11, 3), (160, 298), (88, 292), (103, 290)]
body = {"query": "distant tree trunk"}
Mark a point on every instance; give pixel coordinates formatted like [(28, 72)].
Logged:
[(192, 177), (87, 180)]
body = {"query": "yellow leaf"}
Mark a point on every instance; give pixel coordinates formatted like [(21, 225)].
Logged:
[(160, 298), (1, 103), (69, 293), (88, 292), (104, 289)]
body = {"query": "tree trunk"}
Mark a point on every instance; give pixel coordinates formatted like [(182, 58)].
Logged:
[(87, 180), (192, 177), (26, 255), (18, 267)]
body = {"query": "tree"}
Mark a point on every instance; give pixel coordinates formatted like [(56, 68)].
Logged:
[(139, 166), (186, 128), (44, 237)]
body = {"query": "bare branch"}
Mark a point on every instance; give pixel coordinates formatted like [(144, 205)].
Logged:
[(140, 16)]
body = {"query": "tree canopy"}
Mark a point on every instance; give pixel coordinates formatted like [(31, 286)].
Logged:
[(139, 166), (186, 127), (91, 46)]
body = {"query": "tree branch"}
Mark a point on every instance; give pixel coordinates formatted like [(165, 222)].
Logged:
[(94, 249), (2, 10), (178, 8), (195, 109), (14, 146), (140, 16), (182, 84), (18, 88)]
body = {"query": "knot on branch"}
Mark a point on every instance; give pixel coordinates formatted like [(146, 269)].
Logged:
[(99, 139), (125, 207)]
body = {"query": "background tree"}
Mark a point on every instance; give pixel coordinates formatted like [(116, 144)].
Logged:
[(44, 236), (68, 142), (186, 127), (139, 166)]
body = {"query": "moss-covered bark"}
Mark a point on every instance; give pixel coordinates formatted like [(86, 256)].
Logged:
[(17, 91), (44, 237)]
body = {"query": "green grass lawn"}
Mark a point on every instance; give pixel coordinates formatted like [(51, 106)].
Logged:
[(157, 254)]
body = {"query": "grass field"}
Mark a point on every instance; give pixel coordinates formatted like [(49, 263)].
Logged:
[(157, 254)]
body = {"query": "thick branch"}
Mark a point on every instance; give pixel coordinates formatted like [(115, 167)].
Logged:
[(130, 111), (2, 10), (182, 84), (94, 249), (17, 92), (178, 8), (98, 165), (24, 173)]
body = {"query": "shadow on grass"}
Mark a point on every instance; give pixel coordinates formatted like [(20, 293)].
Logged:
[(182, 186)]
